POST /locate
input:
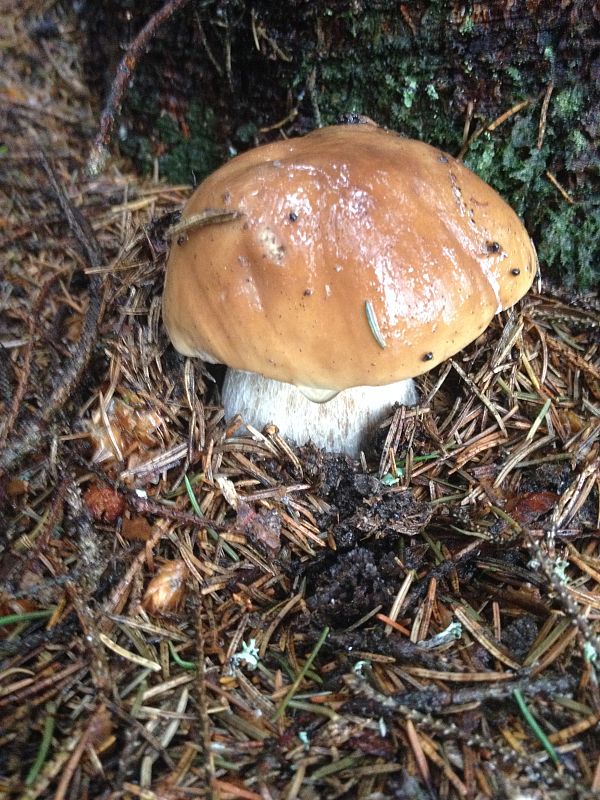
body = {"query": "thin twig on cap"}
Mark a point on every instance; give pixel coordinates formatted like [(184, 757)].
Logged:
[(209, 216)]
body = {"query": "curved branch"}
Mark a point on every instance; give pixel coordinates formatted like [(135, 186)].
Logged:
[(99, 153)]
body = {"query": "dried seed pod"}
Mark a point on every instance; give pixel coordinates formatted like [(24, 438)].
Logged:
[(117, 428), (103, 503), (166, 590)]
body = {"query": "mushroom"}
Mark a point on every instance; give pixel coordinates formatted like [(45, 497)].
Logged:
[(329, 270)]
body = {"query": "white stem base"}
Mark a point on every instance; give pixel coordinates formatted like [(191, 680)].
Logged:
[(342, 424)]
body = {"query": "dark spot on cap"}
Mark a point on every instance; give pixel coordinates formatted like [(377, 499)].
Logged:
[(428, 356), (353, 118), (308, 292), (181, 239), (515, 271), (493, 247), (443, 159), (292, 216)]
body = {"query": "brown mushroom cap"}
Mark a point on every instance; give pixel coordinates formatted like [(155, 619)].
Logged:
[(359, 258)]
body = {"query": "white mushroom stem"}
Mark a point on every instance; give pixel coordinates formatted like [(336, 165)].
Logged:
[(342, 424)]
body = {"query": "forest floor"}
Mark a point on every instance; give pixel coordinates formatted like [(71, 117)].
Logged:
[(188, 613)]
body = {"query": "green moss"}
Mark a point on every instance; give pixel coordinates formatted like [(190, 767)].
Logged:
[(577, 142), (467, 25), (567, 235), (247, 132), (186, 152), (571, 236), (568, 103), (190, 157), (410, 97)]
